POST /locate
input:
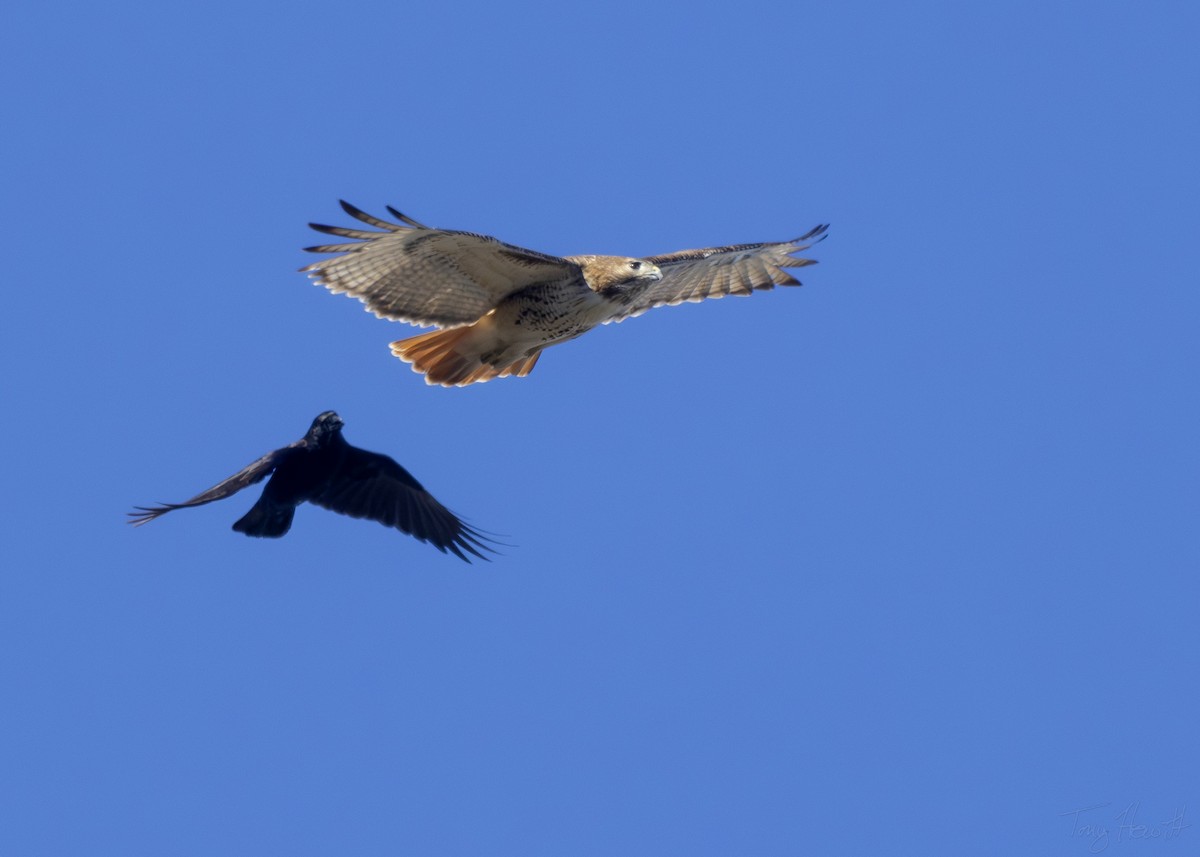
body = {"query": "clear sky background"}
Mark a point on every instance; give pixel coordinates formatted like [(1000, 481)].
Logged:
[(901, 562)]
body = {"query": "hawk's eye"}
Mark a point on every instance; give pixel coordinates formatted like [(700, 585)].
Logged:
[(635, 265)]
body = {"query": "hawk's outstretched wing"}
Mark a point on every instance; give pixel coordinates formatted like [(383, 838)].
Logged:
[(739, 269), (244, 478), (374, 486), (409, 272)]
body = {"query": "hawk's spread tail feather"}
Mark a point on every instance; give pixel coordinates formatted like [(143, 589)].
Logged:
[(446, 357)]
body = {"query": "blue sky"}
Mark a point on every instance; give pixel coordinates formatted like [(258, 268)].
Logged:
[(904, 561)]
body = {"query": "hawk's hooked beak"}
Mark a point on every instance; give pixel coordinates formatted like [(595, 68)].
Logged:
[(653, 274)]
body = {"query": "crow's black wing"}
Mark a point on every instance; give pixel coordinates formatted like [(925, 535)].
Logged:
[(370, 485), (245, 477)]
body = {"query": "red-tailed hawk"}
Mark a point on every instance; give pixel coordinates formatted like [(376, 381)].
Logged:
[(498, 305)]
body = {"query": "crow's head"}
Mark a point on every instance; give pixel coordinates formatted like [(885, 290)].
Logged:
[(324, 427)]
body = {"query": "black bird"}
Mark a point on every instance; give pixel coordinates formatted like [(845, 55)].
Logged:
[(324, 469)]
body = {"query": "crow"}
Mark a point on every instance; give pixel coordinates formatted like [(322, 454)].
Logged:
[(324, 469)]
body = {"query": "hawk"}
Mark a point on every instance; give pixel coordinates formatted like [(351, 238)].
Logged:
[(324, 469), (497, 306)]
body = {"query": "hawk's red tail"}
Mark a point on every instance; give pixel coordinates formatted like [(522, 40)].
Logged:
[(438, 356)]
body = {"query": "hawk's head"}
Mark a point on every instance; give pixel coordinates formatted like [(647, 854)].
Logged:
[(618, 277)]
